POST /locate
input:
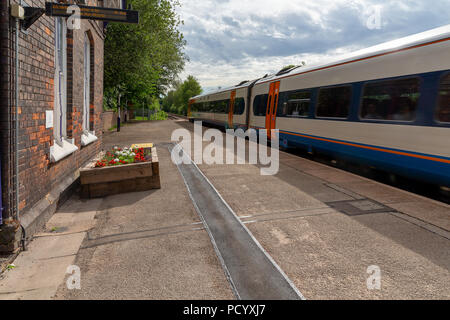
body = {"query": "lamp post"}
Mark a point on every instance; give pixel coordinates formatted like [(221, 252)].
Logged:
[(118, 117)]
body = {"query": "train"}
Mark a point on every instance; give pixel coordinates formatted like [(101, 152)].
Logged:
[(387, 106)]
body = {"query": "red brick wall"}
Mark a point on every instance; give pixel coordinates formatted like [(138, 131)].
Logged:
[(36, 60)]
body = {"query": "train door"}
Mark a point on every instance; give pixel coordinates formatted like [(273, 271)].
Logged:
[(231, 109), (272, 103), (191, 102)]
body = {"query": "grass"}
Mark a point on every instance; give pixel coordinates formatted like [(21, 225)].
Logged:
[(140, 118)]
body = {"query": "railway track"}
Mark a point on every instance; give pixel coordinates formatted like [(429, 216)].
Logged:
[(173, 116)]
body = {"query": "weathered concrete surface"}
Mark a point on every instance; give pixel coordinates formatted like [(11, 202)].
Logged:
[(42, 268), (252, 273), (149, 245), (326, 253)]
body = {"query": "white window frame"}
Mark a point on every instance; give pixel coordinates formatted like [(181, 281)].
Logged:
[(60, 81), (62, 147), (87, 83), (87, 137)]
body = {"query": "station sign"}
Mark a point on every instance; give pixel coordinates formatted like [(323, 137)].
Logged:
[(92, 13)]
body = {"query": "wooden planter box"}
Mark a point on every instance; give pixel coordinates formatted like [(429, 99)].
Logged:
[(135, 177)]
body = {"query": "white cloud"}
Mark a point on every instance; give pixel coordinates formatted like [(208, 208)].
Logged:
[(234, 40)]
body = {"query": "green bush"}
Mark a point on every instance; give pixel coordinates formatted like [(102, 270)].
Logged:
[(160, 115)]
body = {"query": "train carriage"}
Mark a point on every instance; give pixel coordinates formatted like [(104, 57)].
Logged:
[(387, 106)]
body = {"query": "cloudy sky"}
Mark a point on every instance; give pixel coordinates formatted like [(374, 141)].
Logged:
[(233, 40)]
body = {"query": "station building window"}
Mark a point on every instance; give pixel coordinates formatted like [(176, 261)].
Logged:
[(260, 105), (62, 146), (88, 135), (443, 109), (297, 105), (394, 100), (87, 83), (60, 82), (334, 102)]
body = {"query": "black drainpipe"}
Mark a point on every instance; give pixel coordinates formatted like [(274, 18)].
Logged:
[(1, 193)]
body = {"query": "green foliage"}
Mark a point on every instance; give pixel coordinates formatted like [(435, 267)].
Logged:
[(176, 101), (143, 60), (160, 115), (151, 112)]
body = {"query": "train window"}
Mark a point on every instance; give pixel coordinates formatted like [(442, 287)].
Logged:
[(217, 107), (239, 106), (220, 106), (197, 107), (214, 106), (334, 102), (443, 110), (395, 100), (260, 105), (297, 105), (225, 106)]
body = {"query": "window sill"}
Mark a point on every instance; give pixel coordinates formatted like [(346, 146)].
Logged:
[(88, 138), (58, 152)]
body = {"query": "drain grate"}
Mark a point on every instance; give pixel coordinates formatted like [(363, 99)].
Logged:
[(359, 207)]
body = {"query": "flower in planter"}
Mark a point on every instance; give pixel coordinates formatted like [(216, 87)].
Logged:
[(117, 156)]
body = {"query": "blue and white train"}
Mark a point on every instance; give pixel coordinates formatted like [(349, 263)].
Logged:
[(387, 106)]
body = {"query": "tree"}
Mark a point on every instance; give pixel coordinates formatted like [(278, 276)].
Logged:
[(176, 101), (144, 59)]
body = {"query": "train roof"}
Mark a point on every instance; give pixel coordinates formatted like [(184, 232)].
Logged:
[(416, 40), (434, 35), (242, 84)]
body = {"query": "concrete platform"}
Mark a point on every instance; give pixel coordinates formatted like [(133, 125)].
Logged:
[(149, 245), (319, 224), (325, 252)]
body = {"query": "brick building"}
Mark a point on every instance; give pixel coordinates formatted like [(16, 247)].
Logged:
[(60, 93)]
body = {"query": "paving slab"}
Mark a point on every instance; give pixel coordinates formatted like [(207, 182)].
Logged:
[(327, 256), (437, 214), (379, 192), (40, 270), (318, 189), (175, 266), (250, 193)]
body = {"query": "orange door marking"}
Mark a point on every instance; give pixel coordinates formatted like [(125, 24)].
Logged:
[(272, 104), (231, 111), (269, 108)]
